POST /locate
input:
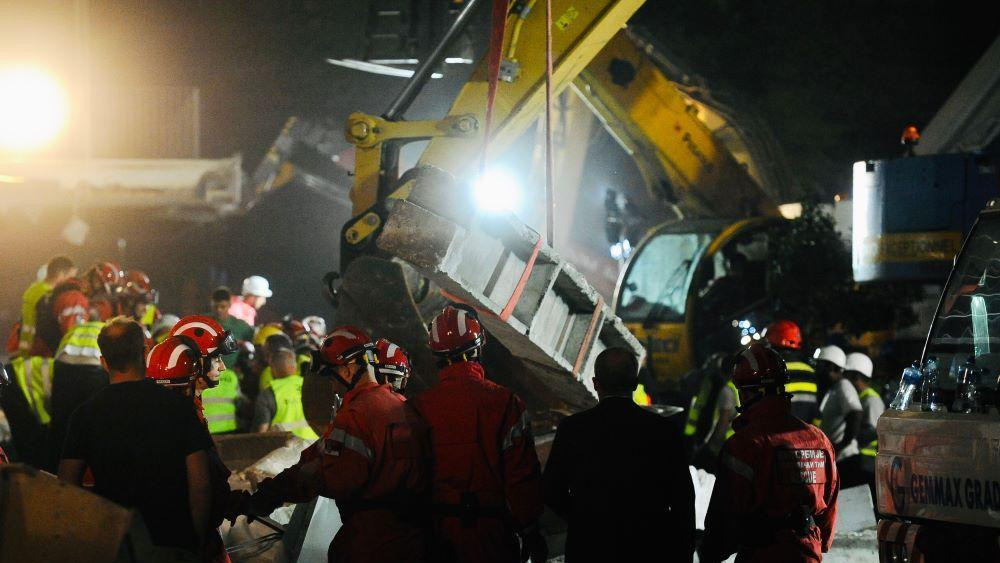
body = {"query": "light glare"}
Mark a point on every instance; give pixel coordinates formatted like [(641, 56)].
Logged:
[(33, 109), (497, 191)]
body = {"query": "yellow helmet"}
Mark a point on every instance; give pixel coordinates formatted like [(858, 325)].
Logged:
[(265, 331)]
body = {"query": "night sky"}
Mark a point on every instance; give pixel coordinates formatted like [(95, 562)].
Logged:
[(836, 81)]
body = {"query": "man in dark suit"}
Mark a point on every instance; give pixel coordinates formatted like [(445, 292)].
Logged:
[(618, 474)]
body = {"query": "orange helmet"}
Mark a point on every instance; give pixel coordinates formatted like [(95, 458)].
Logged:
[(784, 334), (345, 345), (911, 135), (393, 364), (174, 363), (758, 366), (456, 334)]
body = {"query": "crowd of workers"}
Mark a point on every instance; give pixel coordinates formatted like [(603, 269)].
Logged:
[(117, 396)]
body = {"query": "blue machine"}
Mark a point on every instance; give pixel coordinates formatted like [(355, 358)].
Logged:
[(911, 213)]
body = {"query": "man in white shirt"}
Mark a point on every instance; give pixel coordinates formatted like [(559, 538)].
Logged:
[(841, 414)]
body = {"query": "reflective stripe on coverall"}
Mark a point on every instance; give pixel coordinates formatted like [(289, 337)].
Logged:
[(373, 460), (486, 478), (773, 468)]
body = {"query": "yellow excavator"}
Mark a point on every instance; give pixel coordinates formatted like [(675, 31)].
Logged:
[(417, 239)]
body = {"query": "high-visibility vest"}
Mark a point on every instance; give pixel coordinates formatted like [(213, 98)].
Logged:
[(871, 448), (219, 403), (29, 302), (81, 341), (34, 377), (149, 317), (802, 387), (289, 415), (691, 427), (265, 378), (640, 397)]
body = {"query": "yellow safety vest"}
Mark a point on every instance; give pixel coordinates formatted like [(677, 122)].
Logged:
[(870, 449), (149, 317), (289, 415), (29, 304), (802, 386), (81, 341), (640, 397), (265, 378), (219, 403), (695, 411), (34, 377)]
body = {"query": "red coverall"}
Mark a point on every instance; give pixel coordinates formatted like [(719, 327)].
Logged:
[(373, 461), (772, 467), (484, 461)]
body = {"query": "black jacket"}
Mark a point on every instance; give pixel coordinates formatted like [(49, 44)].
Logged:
[(619, 475)]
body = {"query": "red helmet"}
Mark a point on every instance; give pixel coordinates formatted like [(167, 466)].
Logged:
[(207, 334), (174, 363), (456, 331), (784, 334), (758, 366), (301, 334), (346, 344), (137, 285), (393, 364), (106, 275)]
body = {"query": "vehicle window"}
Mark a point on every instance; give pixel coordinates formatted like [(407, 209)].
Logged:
[(657, 285), (967, 322), (737, 278)]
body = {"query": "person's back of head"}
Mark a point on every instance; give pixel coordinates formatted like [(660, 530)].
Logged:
[(276, 343), (616, 372), (283, 363), (122, 342), (59, 268)]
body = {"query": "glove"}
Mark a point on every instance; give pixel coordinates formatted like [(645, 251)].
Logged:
[(533, 545), (237, 503)]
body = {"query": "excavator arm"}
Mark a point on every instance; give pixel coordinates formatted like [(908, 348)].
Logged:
[(549, 319)]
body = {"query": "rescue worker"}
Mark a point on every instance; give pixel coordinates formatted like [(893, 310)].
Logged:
[(775, 498), (57, 270), (486, 490), (222, 300), (179, 364), (786, 338), (711, 413), (269, 338), (393, 365), (77, 375), (161, 329), (138, 299), (302, 341), (56, 313), (144, 445), (256, 292), (841, 415), (858, 369), (595, 492), (217, 391), (104, 281), (317, 327), (279, 407), (372, 460), (26, 405)]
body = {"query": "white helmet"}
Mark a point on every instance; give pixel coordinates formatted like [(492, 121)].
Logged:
[(861, 363), (257, 285), (832, 354), (316, 324)]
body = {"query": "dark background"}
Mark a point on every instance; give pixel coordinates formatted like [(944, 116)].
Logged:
[(836, 82)]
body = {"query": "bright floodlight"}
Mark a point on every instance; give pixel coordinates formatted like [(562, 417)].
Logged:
[(32, 109), (497, 191)]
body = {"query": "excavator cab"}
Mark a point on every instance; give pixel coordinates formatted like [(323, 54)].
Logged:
[(694, 287)]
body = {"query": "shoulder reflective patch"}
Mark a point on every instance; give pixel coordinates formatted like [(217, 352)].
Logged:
[(520, 428), (737, 466), (340, 440), (800, 467)]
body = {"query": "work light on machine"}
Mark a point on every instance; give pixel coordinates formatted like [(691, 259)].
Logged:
[(497, 191), (33, 109)]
